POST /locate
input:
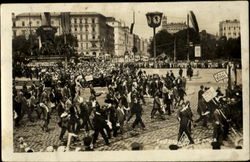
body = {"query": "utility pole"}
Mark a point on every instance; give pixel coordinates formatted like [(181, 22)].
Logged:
[(187, 37), (174, 48), (154, 49)]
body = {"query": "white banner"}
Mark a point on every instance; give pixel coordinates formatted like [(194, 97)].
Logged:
[(209, 94), (197, 51), (220, 76), (88, 78)]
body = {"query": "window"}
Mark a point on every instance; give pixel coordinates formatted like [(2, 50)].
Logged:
[(229, 33), (30, 23), (234, 28), (86, 36), (37, 22), (228, 28), (80, 20), (81, 43), (52, 22), (80, 37), (86, 45), (86, 20), (75, 20), (86, 27), (14, 24), (75, 29), (80, 28), (93, 20), (14, 33), (93, 29), (23, 23), (234, 34), (224, 28), (93, 36)]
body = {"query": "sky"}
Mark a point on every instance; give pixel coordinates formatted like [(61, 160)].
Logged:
[(208, 14)]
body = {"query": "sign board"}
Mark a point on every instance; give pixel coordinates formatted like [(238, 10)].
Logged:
[(184, 141), (220, 76), (197, 51), (209, 94), (89, 78)]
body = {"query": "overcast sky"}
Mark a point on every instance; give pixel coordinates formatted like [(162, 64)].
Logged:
[(208, 14)]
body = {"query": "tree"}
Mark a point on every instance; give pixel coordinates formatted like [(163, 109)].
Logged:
[(228, 49), (165, 43), (181, 43), (65, 45)]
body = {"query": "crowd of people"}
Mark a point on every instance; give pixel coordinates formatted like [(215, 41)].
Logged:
[(127, 87)]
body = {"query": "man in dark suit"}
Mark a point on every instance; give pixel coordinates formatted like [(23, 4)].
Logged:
[(99, 124), (185, 117), (137, 110)]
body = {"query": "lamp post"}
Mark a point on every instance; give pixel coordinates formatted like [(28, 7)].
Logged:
[(154, 21)]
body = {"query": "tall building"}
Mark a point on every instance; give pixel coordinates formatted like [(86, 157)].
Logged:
[(144, 46), (172, 27), (119, 36), (94, 36), (129, 40), (27, 23), (229, 28)]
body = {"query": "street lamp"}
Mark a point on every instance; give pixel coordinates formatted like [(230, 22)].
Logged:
[(154, 21)]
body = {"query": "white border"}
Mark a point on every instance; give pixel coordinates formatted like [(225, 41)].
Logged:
[(6, 92)]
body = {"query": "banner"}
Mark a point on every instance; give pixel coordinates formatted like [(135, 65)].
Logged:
[(197, 51), (209, 94), (184, 141), (221, 75), (89, 78)]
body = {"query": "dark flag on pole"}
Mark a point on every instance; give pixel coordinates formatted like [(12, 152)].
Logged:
[(131, 28), (194, 21)]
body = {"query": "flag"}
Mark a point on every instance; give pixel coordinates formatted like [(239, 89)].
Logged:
[(194, 21), (131, 28), (40, 42)]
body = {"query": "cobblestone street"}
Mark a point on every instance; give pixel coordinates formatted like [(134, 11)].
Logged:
[(157, 130)]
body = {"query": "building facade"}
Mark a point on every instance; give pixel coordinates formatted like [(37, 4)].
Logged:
[(27, 23), (94, 36), (119, 36), (229, 28), (172, 27)]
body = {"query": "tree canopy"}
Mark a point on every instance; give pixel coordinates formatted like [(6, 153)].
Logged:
[(210, 47)]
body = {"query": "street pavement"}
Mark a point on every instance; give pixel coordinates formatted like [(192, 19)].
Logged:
[(159, 134)]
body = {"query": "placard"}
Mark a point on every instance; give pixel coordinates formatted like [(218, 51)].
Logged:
[(89, 78), (209, 94), (220, 76)]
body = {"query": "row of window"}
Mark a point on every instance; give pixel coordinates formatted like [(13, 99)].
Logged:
[(85, 20), (234, 34), (30, 23), (81, 29), (229, 28), (88, 45), (86, 36)]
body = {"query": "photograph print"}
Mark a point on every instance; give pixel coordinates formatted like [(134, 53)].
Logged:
[(146, 77)]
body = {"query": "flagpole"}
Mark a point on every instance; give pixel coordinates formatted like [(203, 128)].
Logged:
[(187, 37)]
